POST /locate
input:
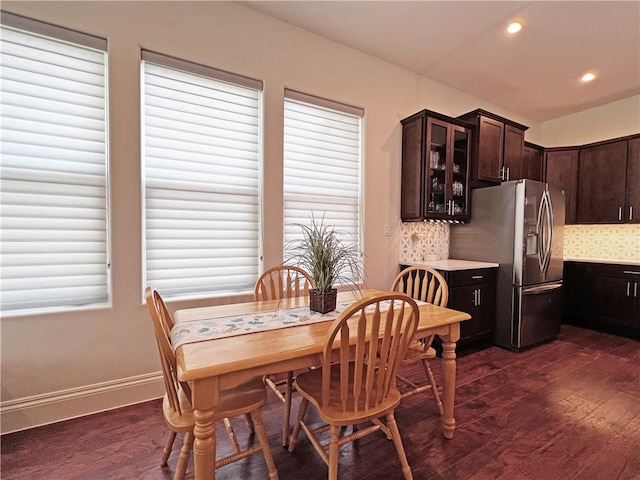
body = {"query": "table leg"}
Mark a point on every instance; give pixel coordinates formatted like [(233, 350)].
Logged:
[(449, 386), (204, 398)]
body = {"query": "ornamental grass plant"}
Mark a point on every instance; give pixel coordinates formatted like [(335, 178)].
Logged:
[(325, 253)]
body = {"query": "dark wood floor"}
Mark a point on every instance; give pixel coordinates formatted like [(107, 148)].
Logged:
[(569, 409)]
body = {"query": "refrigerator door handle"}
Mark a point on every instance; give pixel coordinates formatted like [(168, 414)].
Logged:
[(536, 289), (545, 229)]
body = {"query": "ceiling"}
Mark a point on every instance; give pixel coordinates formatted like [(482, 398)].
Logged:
[(464, 45)]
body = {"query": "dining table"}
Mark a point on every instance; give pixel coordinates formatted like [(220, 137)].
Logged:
[(218, 347)]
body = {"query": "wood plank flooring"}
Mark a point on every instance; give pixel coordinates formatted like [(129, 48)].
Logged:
[(568, 409)]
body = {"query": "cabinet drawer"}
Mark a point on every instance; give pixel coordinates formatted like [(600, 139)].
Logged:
[(478, 276), (627, 271)]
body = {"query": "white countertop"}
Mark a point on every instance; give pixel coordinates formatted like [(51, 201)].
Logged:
[(593, 260), (453, 264)]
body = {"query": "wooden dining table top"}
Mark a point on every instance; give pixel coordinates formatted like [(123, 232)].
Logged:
[(267, 351)]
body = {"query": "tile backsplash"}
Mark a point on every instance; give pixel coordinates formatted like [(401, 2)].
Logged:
[(423, 241), (605, 243)]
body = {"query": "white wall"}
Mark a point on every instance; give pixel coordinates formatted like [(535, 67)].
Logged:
[(615, 119), (62, 365)]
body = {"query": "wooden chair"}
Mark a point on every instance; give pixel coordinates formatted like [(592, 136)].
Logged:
[(349, 388), (427, 285), (285, 281), (245, 399)]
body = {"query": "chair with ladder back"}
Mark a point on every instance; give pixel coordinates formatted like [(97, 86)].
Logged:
[(281, 282), (244, 399)]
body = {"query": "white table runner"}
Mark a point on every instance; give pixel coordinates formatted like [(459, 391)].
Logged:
[(220, 327)]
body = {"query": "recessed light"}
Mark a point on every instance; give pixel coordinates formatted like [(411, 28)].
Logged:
[(514, 27), (587, 77)]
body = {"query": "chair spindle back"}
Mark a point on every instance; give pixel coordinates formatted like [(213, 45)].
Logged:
[(379, 329)]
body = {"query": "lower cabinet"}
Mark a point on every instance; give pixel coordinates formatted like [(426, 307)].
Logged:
[(603, 296), (473, 292)]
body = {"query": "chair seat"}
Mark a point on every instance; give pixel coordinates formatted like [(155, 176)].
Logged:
[(244, 398), (417, 352), (309, 385)]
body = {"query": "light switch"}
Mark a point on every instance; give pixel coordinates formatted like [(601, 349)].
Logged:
[(387, 230)]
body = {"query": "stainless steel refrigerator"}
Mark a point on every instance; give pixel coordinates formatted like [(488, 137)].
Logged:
[(518, 224)]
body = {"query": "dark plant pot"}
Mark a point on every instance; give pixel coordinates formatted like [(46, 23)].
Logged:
[(322, 302)]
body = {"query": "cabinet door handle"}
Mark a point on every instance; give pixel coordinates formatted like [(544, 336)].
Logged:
[(508, 173), (477, 299), (628, 289), (632, 272), (635, 289), (630, 213), (480, 277), (620, 213)]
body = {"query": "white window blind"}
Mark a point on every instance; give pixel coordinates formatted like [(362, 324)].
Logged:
[(321, 165), (201, 172), (54, 248)]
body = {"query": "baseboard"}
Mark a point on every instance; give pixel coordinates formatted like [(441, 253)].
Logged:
[(38, 410)]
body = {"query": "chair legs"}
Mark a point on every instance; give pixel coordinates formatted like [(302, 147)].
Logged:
[(423, 388), (330, 453), (288, 393), (397, 441), (264, 443), (434, 387), (286, 398), (183, 459), (166, 452), (333, 452), (296, 428), (254, 422)]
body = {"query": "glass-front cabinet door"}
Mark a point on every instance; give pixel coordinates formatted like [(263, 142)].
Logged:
[(446, 171), (435, 168)]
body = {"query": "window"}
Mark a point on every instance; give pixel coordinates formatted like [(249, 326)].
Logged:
[(201, 151), (54, 248), (321, 164)]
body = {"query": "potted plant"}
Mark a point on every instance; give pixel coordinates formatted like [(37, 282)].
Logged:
[(323, 252)]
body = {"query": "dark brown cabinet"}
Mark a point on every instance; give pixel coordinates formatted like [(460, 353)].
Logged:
[(633, 180), (579, 300), (603, 296), (561, 167), (513, 153), (473, 292), (533, 162), (435, 168), (602, 181), (497, 148)]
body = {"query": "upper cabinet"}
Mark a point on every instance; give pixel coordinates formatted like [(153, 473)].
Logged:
[(533, 162), (512, 168), (633, 180), (497, 148), (435, 168), (561, 166), (608, 177)]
